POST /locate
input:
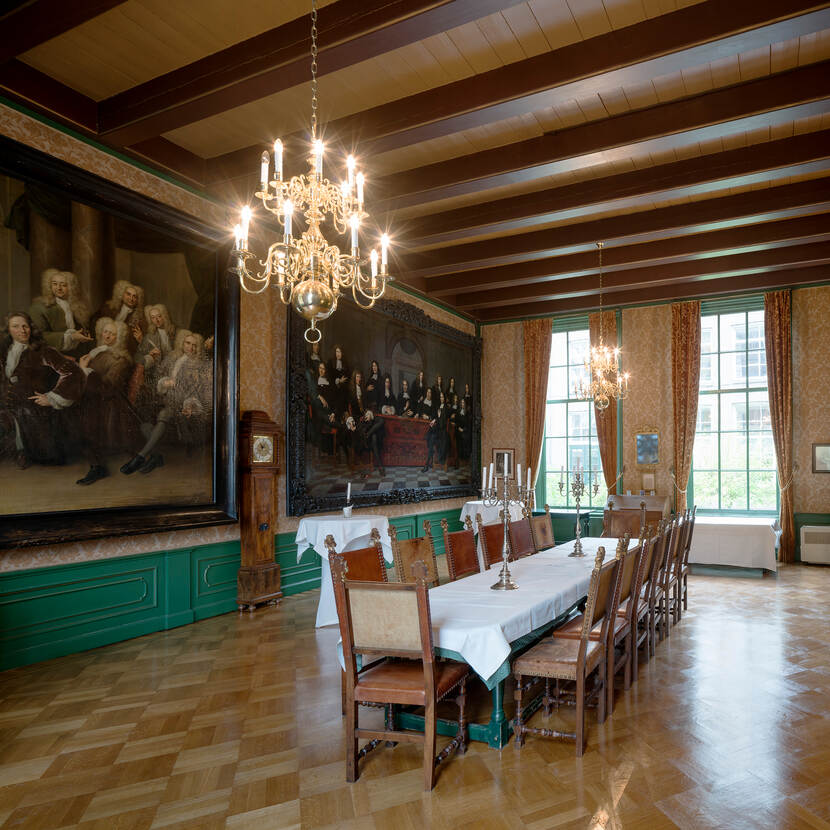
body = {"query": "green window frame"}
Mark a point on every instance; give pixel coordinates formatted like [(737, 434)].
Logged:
[(733, 461), (570, 428)]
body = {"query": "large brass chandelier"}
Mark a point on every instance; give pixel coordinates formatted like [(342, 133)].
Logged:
[(311, 274), (603, 381)]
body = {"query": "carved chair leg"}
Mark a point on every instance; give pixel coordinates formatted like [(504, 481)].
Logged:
[(629, 652), (518, 728), (609, 681), (547, 699), (429, 745), (580, 713), (602, 680), (351, 741)]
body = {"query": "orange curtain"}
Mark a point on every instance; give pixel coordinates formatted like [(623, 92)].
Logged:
[(685, 384), (778, 333), (538, 335), (606, 419)]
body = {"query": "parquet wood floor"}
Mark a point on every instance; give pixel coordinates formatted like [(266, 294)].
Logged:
[(234, 722)]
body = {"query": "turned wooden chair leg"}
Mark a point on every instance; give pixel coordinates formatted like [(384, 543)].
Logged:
[(580, 714), (609, 682), (627, 675), (601, 692), (518, 729), (547, 698), (351, 741)]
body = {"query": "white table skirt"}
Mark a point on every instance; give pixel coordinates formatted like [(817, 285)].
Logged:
[(349, 534), (479, 624), (743, 543)]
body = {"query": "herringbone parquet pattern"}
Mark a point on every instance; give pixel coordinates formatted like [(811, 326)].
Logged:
[(235, 722)]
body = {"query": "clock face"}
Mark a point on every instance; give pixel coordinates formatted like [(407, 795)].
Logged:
[(262, 451)]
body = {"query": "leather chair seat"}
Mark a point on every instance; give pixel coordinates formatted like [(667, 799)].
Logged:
[(572, 630), (556, 658), (403, 681)]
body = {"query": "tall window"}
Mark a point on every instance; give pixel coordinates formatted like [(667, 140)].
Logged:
[(570, 431), (733, 463)]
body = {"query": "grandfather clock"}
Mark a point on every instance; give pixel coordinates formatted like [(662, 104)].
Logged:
[(258, 579)]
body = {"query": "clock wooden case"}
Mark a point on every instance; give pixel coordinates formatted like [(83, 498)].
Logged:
[(258, 580)]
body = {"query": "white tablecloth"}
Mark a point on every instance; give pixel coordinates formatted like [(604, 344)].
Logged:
[(744, 543), (349, 534)]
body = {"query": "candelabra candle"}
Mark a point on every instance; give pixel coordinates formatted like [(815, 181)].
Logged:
[(578, 491), (507, 496)]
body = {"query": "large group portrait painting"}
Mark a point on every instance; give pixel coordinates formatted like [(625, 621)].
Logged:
[(107, 369), (387, 408)]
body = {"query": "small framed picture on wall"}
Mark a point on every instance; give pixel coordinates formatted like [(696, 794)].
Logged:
[(821, 458), (503, 462)]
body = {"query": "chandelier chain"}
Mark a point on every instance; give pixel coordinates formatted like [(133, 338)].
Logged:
[(313, 69), (601, 340)]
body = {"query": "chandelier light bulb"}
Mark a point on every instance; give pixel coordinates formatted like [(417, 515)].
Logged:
[(350, 166), (278, 159), (384, 251), (264, 167), (245, 224), (318, 158), (373, 258), (288, 213), (355, 225)]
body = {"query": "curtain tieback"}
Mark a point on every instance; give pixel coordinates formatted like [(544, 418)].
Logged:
[(674, 481), (617, 479), (785, 487)]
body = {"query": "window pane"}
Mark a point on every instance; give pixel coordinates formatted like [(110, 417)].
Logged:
[(576, 376), (577, 346), (706, 491), (732, 370), (708, 334), (733, 411), (705, 454), (552, 495), (733, 450), (761, 451), (733, 494), (556, 420), (732, 332), (555, 453), (578, 453), (707, 413), (759, 417), (558, 384), (762, 495), (708, 371), (559, 349), (596, 462), (578, 419)]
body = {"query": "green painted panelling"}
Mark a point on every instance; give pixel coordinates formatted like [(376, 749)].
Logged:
[(405, 526), (295, 576), (213, 579), (802, 519)]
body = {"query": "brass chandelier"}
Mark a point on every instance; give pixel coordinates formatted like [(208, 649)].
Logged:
[(311, 274), (604, 380)]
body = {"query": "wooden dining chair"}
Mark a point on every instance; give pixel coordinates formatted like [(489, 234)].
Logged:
[(666, 579), (460, 550), (635, 609), (381, 619), (541, 526), (406, 552), (654, 596), (571, 660), (617, 632), (491, 539), (642, 617), (367, 565), (520, 537), (683, 578)]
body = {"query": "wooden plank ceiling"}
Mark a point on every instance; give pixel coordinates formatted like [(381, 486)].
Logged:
[(501, 139)]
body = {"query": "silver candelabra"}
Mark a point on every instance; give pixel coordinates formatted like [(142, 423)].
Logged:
[(578, 491), (505, 496)]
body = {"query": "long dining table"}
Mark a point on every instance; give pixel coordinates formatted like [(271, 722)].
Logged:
[(485, 628)]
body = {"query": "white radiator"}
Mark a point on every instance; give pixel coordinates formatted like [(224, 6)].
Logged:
[(815, 544)]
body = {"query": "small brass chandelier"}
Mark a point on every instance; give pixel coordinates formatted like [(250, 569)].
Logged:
[(604, 380), (311, 274)]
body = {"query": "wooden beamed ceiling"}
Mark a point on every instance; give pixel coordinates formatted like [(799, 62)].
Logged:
[(501, 138)]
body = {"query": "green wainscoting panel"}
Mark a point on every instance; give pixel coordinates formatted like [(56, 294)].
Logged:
[(407, 527), (297, 576), (213, 579), (802, 519)]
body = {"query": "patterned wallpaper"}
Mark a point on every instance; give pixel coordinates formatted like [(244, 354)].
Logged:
[(811, 401), (262, 351), (502, 391), (646, 351)]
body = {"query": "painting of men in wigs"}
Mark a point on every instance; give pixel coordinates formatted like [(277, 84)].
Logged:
[(108, 354)]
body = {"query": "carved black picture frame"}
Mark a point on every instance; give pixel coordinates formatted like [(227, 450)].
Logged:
[(21, 530), (299, 500)]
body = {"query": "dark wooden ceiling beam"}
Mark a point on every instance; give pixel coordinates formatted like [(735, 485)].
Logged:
[(24, 83), (764, 102), (691, 270), (30, 24), (668, 43), (667, 293), (350, 31), (794, 156), (779, 202), (163, 153), (666, 250)]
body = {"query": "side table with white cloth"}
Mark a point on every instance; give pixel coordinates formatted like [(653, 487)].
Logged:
[(349, 534), (738, 542)]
